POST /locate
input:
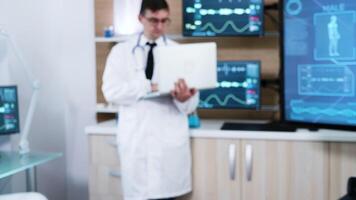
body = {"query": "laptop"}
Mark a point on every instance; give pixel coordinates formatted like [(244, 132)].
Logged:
[(195, 63)]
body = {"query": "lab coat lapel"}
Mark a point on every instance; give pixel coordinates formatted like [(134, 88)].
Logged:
[(139, 58)]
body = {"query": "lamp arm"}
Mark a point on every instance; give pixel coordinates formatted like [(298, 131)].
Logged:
[(35, 85), (23, 144)]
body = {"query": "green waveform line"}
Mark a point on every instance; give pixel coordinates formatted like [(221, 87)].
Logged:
[(224, 27), (225, 101)]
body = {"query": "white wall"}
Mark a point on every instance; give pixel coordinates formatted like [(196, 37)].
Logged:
[(79, 64), (56, 40)]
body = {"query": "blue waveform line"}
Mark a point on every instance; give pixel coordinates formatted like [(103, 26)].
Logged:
[(227, 69), (224, 27), (220, 1), (228, 84), (221, 11), (313, 110), (223, 102)]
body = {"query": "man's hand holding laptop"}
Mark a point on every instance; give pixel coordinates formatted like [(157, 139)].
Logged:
[(181, 91), (154, 87)]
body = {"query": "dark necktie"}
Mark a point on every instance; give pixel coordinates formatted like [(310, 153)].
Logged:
[(150, 61)]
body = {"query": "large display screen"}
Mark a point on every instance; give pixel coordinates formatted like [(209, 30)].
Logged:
[(222, 17), (319, 61), (9, 116), (238, 86)]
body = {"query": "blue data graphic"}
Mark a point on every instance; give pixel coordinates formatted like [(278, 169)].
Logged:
[(222, 17), (319, 61), (238, 86), (9, 122), (331, 40), (326, 80)]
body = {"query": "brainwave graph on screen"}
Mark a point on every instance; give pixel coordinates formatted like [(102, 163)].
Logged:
[(237, 86), (222, 17), (233, 84), (214, 99), (338, 112), (229, 24)]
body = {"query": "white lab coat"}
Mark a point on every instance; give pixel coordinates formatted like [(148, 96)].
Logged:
[(153, 135)]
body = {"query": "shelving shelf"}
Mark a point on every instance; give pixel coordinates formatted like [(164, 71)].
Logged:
[(105, 108)]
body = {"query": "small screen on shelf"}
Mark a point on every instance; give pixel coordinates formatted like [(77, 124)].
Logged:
[(238, 86), (204, 18)]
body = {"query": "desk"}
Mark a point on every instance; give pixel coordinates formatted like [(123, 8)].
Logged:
[(12, 163)]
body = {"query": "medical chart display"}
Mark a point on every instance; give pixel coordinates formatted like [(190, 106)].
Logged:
[(319, 61)]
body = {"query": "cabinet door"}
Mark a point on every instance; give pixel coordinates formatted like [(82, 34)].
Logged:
[(278, 170), (342, 166), (104, 179), (216, 173)]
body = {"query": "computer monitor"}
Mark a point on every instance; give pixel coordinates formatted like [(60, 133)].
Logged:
[(204, 18), (238, 87), (318, 51), (9, 115)]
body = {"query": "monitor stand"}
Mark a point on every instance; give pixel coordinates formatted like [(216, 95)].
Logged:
[(272, 126)]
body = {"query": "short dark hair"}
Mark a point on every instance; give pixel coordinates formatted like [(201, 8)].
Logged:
[(153, 5)]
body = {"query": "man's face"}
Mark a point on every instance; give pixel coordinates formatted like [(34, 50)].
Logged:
[(155, 23)]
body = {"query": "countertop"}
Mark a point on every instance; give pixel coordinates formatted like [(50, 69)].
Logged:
[(211, 129)]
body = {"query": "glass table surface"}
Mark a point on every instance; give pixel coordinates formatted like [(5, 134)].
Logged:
[(12, 162)]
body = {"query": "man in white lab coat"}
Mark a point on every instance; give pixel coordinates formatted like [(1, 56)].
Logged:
[(153, 134)]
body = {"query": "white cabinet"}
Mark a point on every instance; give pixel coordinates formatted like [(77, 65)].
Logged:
[(264, 170), (342, 166), (215, 169), (242, 169), (284, 170), (104, 178)]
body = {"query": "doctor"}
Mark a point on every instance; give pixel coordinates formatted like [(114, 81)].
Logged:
[(153, 134)]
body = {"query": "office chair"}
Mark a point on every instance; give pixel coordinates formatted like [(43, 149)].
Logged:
[(351, 190)]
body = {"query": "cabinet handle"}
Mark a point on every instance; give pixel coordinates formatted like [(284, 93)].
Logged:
[(249, 161), (111, 143), (115, 174), (232, 161)]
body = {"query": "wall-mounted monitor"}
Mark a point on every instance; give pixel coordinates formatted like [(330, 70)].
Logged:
[(9, 115), (204, 18), (319, 63), (238, 87)]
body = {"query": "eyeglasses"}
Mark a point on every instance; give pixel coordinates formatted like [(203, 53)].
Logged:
[(155, 21)]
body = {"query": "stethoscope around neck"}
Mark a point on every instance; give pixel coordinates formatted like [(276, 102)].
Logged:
[(142, 47), (138, 57)]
